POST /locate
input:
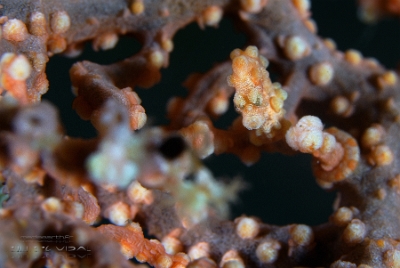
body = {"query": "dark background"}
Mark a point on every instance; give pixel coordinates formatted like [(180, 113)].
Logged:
[(281, 189)]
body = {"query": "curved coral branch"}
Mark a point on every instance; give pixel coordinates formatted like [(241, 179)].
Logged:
[(56, 185)]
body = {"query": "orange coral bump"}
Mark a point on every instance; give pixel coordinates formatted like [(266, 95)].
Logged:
[(14, 70)]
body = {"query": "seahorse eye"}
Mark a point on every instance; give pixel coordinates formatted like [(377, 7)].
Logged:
[(172, 147)]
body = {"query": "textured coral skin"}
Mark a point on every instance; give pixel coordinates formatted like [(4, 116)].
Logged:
[(52, 193)]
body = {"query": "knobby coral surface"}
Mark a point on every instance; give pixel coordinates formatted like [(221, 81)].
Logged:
[(71, 202)]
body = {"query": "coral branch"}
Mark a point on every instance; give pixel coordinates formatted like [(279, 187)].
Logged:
[(133, 244), (102, 194)]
